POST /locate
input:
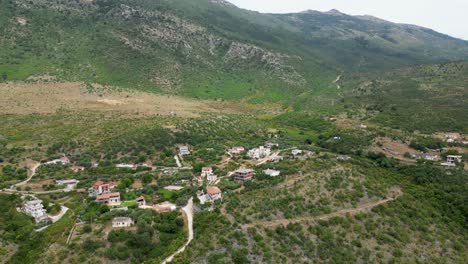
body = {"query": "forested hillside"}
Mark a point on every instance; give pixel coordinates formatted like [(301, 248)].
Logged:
[(206, 48)]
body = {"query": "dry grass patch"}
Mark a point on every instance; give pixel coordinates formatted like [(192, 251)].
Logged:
[(53, 97)]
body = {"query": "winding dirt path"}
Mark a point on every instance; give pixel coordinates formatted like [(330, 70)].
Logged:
[(361, 208), (188, 212), (32, 171)]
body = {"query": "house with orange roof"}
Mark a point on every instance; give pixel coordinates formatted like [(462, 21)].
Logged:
[(212, 194), (101, 187), (109, 198)]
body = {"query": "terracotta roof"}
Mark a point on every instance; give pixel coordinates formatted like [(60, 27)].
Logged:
[(207, 169), (77, 167), (107, 196), (98, 183), (213, 190)]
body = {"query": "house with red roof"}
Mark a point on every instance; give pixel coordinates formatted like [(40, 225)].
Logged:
[(141, 201), (212, 194), (101, 187), (109, 198)]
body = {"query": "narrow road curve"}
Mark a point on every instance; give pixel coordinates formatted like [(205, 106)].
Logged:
[(188, 212), (32, 171), (285, 222)]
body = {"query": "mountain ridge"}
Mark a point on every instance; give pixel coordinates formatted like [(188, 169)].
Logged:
[(207, 49)]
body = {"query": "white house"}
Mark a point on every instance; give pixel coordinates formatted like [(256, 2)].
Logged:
[(125, 166), (206, 171), (452, 160), (272, 173), (258, 153), (237, 149), (184, 150), (122, 222), (211, 177), (296, 152), (270, 145), (69, 184), (35, 209), (431, 157)]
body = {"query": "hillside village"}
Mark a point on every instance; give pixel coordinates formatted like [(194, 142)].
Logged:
[(206, 186)]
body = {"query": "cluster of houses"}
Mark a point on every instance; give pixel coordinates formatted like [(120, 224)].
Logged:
[(255, 153), (455, 138), (207, 172), (259, 153), (102, 191)]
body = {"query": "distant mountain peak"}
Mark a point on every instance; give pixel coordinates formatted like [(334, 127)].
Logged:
[(222, 2), (335, 12)]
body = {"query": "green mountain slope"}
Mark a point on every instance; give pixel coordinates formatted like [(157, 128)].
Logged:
[(206, 48), (428, 98)]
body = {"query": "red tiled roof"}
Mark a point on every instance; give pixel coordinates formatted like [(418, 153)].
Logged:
[(77, 167), (98, 183), (107, 196), (207, 169), (213, 190)]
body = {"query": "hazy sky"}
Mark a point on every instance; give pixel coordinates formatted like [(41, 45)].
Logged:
[(446, 16)]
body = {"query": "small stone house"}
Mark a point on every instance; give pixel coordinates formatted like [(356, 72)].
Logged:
[(141, 201), (118, 222)]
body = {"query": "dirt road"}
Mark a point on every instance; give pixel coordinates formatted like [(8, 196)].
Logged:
[(188, 212), (344, 212), (32, 172)]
